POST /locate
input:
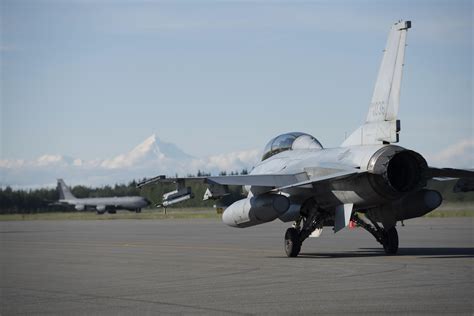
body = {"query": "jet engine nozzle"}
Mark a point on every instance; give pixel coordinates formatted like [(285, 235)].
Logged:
[(256, 210), (396, 171)]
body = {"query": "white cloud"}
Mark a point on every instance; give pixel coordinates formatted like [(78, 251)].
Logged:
[(235, 161), (46, 160), (14, 163), (459, 155), (77, 162)]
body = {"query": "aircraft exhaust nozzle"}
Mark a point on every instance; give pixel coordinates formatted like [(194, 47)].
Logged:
[(396, 171), (256, 210)]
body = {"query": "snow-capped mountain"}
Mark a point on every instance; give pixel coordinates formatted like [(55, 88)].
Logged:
[(150, 151), (151, 157)]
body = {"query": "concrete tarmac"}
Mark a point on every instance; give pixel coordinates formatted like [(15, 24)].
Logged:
[(204, 267)]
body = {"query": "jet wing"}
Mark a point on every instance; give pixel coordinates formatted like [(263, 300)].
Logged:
[(218, 186), (276, 181), (330, 177), (264, 180)]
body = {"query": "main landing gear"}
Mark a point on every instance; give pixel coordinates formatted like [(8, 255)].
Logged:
[(387, 237), (303, 228), (315, 218), (292, 242)]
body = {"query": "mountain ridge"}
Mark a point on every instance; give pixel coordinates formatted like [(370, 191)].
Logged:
[(150, 157)]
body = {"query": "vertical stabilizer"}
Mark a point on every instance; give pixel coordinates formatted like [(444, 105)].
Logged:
[(64, 192), (382, 125)]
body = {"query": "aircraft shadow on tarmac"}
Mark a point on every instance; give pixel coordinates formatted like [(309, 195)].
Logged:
[(454, 252)]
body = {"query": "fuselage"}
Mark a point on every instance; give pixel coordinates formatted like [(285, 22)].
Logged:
[(298, 160), (125, 202), (374, 185)]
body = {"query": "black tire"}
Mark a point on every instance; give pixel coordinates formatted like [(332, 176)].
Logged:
[(138, 210), (292, 242), (390, 244), (112, 212), (100, 212)]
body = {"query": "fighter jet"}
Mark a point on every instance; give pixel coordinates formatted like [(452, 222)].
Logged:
[(368, 179), (101, 204)]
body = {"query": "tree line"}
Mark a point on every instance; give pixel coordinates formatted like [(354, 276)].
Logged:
[(44, 199)]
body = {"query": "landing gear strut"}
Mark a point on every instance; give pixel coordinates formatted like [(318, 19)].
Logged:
[(295, 236), (388, 238)]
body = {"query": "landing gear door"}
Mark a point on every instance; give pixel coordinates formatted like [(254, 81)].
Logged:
[(343, 216)]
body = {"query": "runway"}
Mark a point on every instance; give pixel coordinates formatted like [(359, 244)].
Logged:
[(204, 267)]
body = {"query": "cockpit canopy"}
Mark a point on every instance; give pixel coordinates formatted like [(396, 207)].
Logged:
[(290, 141)]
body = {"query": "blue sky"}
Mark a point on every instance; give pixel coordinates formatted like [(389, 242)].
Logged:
[(91, 79)]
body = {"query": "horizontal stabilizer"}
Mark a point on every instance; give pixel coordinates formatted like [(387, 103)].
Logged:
[(450, 173), (464, 178)]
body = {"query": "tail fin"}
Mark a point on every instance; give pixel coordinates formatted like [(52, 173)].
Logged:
[(382, 125), (64, 192)]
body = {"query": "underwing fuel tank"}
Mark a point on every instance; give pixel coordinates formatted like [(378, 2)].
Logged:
[(256, 210), (413, 205), (417, 204)]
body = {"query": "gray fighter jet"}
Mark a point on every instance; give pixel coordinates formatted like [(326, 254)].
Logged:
[(101, 204), (368, 179)]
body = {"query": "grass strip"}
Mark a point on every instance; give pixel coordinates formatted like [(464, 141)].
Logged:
[(146, 215), (171, 214)]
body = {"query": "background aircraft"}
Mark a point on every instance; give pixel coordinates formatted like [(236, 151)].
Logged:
[(367, 179), (101, 204)]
